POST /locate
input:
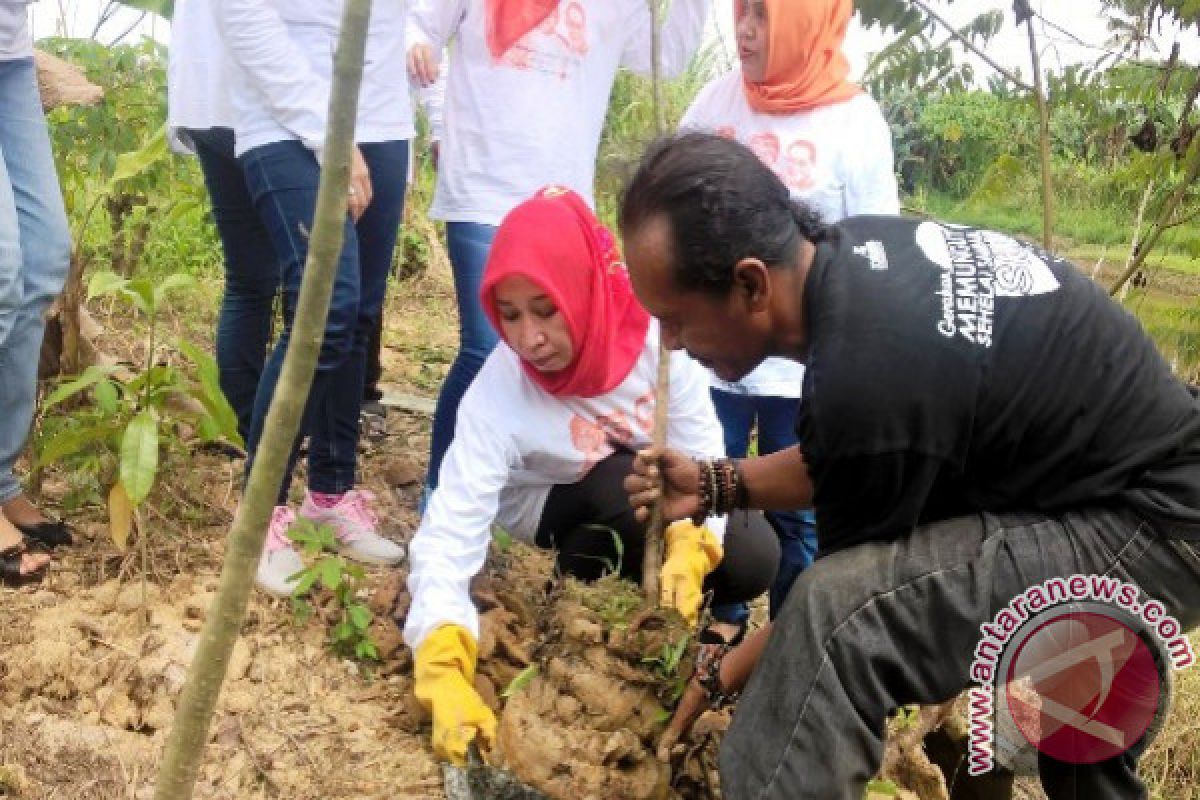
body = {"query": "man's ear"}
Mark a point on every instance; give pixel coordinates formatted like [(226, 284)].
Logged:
[(752, 283)]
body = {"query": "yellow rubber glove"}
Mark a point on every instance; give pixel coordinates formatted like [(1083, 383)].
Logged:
[(445, 675), (692, 553)]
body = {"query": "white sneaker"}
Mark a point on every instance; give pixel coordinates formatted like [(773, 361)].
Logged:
[(279, 561), (356, 527)]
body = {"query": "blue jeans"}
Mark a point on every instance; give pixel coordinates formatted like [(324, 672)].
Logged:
[(252, 274), (282, 178), (776, 419), (469, 244), (35, 253)]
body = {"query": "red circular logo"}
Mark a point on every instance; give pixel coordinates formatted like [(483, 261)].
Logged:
[(1083, 687)]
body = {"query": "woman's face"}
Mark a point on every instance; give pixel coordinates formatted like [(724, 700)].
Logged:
[(532, 325), (752, 39)]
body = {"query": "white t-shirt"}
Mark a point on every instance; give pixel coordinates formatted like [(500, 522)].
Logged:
[(15, 41), (512, 443), (283, 56), (198, 72), (535, 116), (837, 158)]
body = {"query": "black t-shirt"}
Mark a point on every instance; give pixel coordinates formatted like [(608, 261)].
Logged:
[(953, 370)]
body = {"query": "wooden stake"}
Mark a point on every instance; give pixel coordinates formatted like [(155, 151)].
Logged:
[(653, 554)]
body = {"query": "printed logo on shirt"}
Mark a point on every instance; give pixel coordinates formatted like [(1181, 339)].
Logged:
[(592, 438), (557, 46), (977, 267), (794, 162), (875, 254)]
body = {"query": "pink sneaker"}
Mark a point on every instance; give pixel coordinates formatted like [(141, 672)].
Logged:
[(356, 526), (280, 561)]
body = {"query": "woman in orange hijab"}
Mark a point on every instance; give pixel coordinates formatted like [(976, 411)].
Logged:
[(792, 104)]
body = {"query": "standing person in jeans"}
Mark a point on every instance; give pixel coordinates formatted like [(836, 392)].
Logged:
[(200, 117), (35, 253), (827, 140), (978, 418), (526, 95), (283, 53)]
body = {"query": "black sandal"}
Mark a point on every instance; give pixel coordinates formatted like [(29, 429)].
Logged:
[(51, 533), (10, 568)]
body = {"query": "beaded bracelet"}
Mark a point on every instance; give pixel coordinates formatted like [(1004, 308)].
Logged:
[(721, 487)]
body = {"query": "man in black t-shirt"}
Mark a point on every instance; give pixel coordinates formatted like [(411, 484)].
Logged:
[(977, 418)]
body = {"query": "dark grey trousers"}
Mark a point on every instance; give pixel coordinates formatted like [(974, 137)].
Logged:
[(883, 625)]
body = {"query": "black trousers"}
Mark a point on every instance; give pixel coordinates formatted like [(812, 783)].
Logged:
[(882, 625), (583, 522)]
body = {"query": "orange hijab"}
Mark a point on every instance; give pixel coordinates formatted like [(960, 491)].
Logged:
[(509, 20), (805, 65)]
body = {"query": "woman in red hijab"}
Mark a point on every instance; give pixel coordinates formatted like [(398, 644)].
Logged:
[(544, 440), (527, 88)]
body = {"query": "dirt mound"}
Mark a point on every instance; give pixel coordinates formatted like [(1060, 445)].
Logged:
[(88, 690), (581, 680)]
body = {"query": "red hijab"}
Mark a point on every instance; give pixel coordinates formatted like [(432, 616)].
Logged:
[(509, 20), (555, 240), (806, 68)]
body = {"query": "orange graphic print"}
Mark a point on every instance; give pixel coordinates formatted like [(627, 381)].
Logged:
[(766, 147), (795, 164), (593, 439), (556, 46), (799, 165)]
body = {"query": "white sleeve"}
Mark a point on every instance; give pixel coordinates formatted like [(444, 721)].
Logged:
[(681, 34), (451, 544), (692, 424), (434, 22), (278, 71), (871, 175)]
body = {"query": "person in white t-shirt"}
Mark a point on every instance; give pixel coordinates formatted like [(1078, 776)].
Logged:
[(544, 441), (282, 56), (526, 96), (827, 140)]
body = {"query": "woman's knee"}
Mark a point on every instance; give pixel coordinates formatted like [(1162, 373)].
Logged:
[(751, 559)]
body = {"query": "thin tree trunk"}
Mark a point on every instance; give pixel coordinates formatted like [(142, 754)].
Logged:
[(1163, 219), (189, 733), (1044, 114), (652, 557)]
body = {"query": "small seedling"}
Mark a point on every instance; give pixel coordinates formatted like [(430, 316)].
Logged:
[(350, 635)]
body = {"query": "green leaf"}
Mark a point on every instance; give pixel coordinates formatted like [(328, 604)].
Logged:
[(72, 441), (90, 377), (170, 284), (209, 393), (107, 396), (330, 570), (502, 538), (359, 616), (130, 165), (302, 610), (140, 291), (882, 787), (103, 283), (343, 631), (139, 456), (305, 580), (523, 679), (366, 650)]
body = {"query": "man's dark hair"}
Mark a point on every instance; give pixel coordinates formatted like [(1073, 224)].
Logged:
[(723, 204)]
